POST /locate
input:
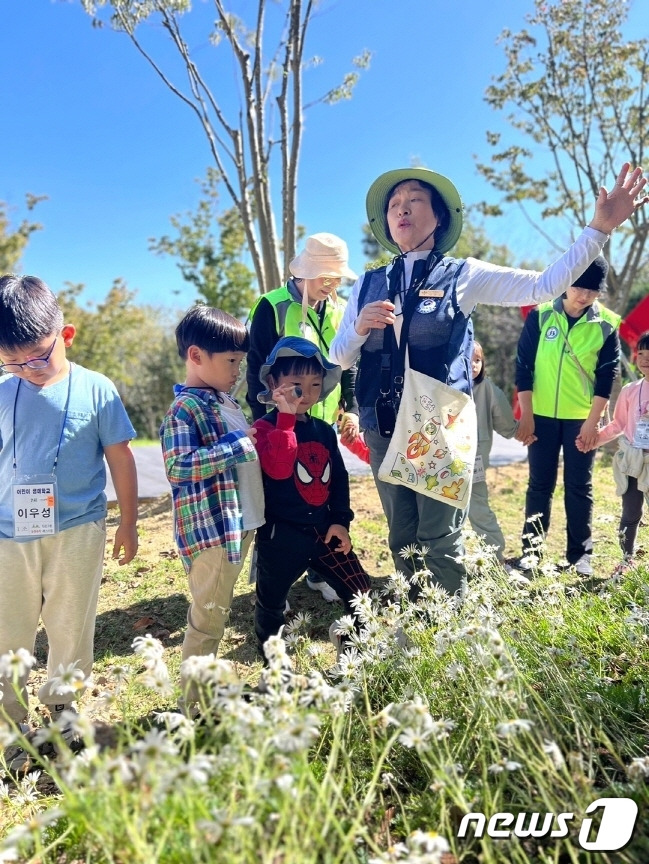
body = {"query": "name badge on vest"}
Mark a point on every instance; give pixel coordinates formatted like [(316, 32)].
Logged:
[(431, 292), (35, 506)]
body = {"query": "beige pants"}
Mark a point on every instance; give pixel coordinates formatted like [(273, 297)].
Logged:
[(211, 584), (55, 579)]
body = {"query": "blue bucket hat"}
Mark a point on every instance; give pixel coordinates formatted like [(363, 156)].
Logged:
[(295, 346)]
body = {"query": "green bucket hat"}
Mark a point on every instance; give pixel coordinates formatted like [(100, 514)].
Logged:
[(377, 201)]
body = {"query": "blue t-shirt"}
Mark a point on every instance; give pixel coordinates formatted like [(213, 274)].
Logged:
[(96, 418)]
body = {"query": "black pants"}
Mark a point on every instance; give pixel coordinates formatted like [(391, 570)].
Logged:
[(284, 551), (554, 436), (632, 504)]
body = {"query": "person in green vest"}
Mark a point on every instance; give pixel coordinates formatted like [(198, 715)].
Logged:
[(567, 360), (307, 306)]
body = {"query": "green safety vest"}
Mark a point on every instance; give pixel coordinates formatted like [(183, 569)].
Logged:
[(565, 363), (319, 329)]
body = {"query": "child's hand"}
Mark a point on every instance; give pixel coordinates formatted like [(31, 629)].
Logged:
[(125, 539), (349, 428), (251, 432), (287, 398), (585, 446), (342, 534)]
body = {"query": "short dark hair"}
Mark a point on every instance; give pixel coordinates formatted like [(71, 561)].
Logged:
[(29, 311), (212, 330), (436, 202), (643, 341), (296, 366), (483, 371)]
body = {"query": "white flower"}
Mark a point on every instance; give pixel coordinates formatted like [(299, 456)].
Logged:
[(554, 752), (300, 621), (638, 770), (119, 673), (275, 651), (530, 561), (454, 670), (428, 841), (197, 770), (148, 648), (34, 825), (285, 782), (154, 745), (421, 847), (298, 735), (214, 829), (504, 765), (67, 681), (209, 669), (157, 679), (16, 663), (409, 551), (513, 727)]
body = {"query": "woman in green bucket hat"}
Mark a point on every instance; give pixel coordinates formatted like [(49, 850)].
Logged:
[(416, 313)]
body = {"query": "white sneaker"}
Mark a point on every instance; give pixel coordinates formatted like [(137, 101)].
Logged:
[(584, 566), (326, 590)]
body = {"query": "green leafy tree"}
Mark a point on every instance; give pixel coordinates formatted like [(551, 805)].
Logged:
[(577, 90), (13, 242), (213, 265), (262, 136), (132, 345), (109, 333)]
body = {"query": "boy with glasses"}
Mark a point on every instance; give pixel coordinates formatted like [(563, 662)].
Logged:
[(57, 422)]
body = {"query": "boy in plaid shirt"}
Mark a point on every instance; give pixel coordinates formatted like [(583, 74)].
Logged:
[(212, 466)]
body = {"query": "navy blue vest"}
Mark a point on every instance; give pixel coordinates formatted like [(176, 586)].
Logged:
[(440, 336)]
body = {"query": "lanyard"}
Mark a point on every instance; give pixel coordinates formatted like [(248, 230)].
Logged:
[(65, 417), (319, 326)]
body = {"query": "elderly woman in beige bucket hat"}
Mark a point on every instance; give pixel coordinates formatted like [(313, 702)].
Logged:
[(416, 314), (307, 306)]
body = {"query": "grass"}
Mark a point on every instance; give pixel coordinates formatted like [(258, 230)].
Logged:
[(529, 697)]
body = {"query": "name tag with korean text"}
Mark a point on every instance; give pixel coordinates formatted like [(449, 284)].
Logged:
[(641, 435), (479, 475), (35, 506)]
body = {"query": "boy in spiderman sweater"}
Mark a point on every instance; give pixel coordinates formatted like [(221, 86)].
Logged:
[(306, 486)]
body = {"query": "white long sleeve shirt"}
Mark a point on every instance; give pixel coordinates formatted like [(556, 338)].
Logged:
[(481, 282)]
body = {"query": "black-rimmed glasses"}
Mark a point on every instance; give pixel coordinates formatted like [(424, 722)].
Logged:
[(35, 363)]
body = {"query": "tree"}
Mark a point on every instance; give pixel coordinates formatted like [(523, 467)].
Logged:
[(579, 92), (13, 243), (265, 129), (133, 345), (213, 266)]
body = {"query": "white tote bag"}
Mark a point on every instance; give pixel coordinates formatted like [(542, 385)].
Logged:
[(434, 442)]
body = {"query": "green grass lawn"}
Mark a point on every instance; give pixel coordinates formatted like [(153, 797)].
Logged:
[(529, 697)]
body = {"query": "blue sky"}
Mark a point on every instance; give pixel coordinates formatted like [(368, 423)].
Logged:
[(88, 124)]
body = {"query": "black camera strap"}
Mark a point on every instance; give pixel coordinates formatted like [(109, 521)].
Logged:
[(393, 362)]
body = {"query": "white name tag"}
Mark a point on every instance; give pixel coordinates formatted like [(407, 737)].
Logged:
[(35, 506), (641, 436), (478, 471)]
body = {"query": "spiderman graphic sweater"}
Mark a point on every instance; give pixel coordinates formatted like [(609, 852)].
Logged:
[(305, 479)]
